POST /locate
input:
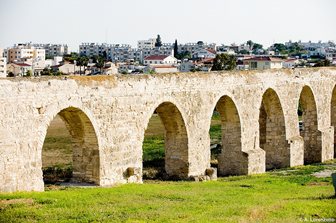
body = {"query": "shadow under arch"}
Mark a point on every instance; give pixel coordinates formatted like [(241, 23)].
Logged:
[(176, 149), (333, 116), (231, 159), (309, 130), (272, 131), (85, 148)]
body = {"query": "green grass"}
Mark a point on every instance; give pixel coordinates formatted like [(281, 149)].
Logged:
[(277, 196), (153, 148)]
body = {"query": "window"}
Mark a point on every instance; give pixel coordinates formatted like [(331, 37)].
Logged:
[(253, 65)]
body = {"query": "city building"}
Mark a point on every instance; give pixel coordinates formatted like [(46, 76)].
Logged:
[(24, 52), (160, 60), (290, 63), (95, 49), (146, 44), (66, 68), (19, 69), (53, 50), (194, 47), (204, 54), (264, 62)]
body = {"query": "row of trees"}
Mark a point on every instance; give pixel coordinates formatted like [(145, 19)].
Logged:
[(82, 61)]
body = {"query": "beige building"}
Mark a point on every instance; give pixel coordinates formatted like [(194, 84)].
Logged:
[(263, 63), (24, 52), (19, 69), (67, 68), (146, 44)]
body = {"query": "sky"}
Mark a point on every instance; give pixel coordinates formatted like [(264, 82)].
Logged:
[(126, 21)]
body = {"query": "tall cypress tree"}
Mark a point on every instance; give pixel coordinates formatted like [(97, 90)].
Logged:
[(175, 49)]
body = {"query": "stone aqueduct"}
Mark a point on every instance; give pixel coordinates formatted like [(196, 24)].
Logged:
[(107, 117)]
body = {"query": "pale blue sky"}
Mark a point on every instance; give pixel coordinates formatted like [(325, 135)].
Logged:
[(126, 21)]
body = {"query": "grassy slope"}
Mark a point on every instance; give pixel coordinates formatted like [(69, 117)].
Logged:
[(285, 196)]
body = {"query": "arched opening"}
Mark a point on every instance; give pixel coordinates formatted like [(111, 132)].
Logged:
[(225, 137), (308, 126), (165, 146), (333, 117), (272, 132), (70, 151)]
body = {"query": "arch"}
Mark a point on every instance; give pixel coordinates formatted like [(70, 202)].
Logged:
[(176, 139), (309, 131), (231, 160), (333, 116), (86, 160), (272, 131)]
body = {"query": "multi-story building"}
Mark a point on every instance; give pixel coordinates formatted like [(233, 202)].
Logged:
[(25, 52), (113, 52), (3, 64), (262, 63), (53, 50), (166, 50), (146, 44), (194, 47)]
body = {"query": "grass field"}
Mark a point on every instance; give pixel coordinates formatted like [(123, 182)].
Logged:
[(291, 195)]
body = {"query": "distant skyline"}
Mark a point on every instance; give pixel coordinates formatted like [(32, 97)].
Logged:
[(219, 21)]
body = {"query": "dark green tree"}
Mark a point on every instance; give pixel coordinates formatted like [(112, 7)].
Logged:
[(323, 63), (176, 49), (100, 63), (46, 72), (28, 73), (243, 51), (279, 47), (82, 61), (250, 43), (158, 42), (224, 62)]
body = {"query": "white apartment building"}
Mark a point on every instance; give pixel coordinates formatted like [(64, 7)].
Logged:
[(53, 50), (24, 52), (146, 44), (114, 52), (3, 64), (194, 47), (95, 49), (160, 60)]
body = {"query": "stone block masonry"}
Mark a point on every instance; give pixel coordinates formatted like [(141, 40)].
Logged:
[(107, 117)]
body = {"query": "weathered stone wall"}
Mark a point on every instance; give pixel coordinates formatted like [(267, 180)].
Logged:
[(109, 115)]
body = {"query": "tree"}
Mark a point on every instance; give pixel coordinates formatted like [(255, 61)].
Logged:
[(249, 43), (279, 47), (243, 51), (158, 42), (100, 63), (175, 49), (46, 71), (82, 61), (28, 73), (11, 74), (323, 63), (224, 62), (183, 55)]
